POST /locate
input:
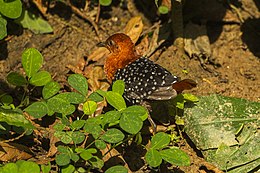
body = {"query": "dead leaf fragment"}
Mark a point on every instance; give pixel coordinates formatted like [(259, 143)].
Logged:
[(134, 28), (13, 152)]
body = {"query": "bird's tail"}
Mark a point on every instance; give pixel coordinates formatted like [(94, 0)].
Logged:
[(185, 84)]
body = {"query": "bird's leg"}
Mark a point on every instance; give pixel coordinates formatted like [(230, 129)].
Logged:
[(149, 109)]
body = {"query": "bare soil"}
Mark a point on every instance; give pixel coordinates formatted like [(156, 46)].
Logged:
[(232, 70)]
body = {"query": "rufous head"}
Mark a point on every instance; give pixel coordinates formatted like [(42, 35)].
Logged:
[(118, 43)]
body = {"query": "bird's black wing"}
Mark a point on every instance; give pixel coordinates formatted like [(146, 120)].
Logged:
[(145, 80)]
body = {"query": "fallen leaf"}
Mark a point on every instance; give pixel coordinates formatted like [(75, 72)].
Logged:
[(134, 28), (13, 152)]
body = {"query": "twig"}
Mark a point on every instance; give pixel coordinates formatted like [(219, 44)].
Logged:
[(14, 139), (98, 13)]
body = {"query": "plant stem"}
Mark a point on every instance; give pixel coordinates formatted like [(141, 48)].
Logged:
[(177, 23)]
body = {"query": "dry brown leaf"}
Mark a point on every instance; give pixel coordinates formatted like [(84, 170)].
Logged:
[(94, 75), (98, 54), (12, 152), (134, 28), (112, 155)]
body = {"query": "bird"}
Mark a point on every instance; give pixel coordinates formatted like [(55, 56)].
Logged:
[(144, 79)]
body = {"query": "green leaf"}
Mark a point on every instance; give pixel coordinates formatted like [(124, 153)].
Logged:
[(11, 9), (37, 109), (59, 127), (12, 117), (66, 138), (190, 97), (68, 169), (62, 159), (117, 169), (175, 156), (41, 78), (105, 2), (75, 98), (77, 124), (153, 158), (96, 162), (86, 155), (29, 167), (74, 157), (16, 79), (130, 123), (77, 137), (6, 99), (9, 168), (100, 144), (3, 30), (163, 9), (59, 103), (215, 120), (50, 89), (92, 128), (113, 136), (137, 111), (101, 92), (226, 131), (46, 168), (32, 61), (63, 149), (79, 82), (111, 117), (119, 87), (115, 100), (95, 97), (160, 140), (33, 22), (89, 107)]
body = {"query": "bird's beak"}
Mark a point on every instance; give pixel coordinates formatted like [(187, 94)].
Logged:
[(102, 44)]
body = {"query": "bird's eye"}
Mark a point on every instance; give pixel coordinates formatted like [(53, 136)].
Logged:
[(110, 43)]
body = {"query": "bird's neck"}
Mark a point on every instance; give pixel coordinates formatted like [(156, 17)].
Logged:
[(117, 61)]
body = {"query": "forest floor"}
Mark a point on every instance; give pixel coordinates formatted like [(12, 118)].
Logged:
[(232, 69)]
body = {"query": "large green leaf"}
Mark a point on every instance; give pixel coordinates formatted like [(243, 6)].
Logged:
[(160, 140), (60, 103), (153, 158), (113, 136), (130, 123), (79, 82), (41, 78), (115, 100), (11, 8), (16, 79), (29, 167), (225, 129), (50, 89), (119, 87), (37, 109), (34, 23), (12, 117), (175, 156), (32, 61)]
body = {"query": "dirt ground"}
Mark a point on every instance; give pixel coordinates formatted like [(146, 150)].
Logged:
[(233, 69)]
